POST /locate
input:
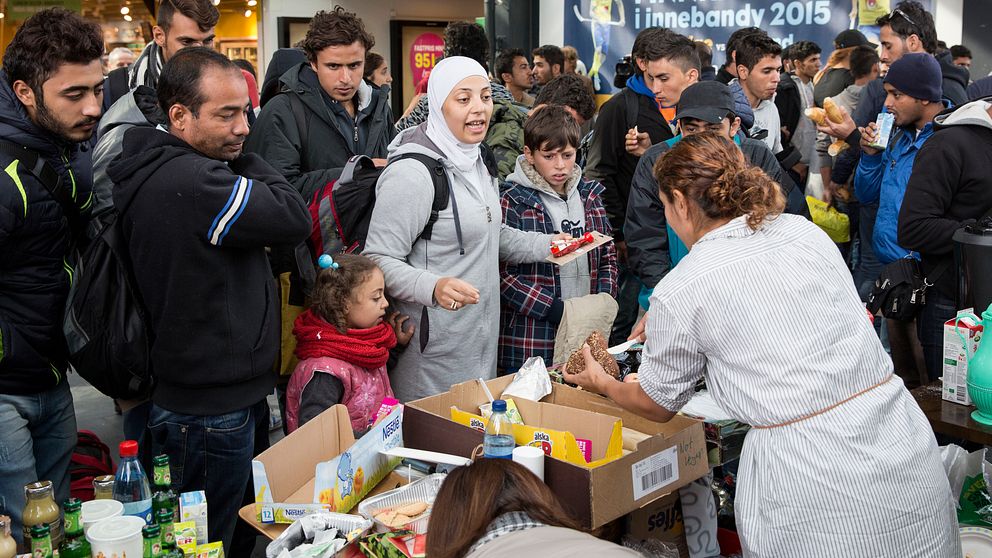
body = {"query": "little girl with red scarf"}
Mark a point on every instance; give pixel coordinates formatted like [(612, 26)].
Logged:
[(343, 343)]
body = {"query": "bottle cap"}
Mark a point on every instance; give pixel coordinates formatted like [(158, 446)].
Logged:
[(149, 531), (160, 460), (39, 531), (163, 516), (128, 448), (72, 505), (499, 406)]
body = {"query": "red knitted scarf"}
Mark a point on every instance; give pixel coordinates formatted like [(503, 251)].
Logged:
[(367, 348)]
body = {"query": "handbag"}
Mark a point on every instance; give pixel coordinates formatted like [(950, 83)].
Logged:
[(901, 290)]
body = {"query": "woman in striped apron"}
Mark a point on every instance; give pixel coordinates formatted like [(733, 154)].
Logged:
[(840, 461)]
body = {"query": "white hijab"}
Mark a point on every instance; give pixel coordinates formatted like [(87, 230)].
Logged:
[(444, 77)]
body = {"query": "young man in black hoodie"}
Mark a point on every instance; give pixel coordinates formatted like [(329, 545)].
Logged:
[(197, 215), (950, 187)]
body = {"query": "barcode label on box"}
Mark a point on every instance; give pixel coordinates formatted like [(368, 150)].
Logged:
[(655, 472)]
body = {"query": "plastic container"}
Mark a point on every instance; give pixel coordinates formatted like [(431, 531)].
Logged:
[(423, 490), (498, 441), (119, 536), (973, 257), (97, 510), (345, 524), (131, 483)]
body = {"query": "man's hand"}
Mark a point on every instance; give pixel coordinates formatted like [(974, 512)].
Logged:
[(592, 377), (869, 135), (838, 130), (637, 334), (396, 321), (636, 142)]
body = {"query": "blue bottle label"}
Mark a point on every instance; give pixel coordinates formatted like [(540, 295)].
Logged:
[(141, 508)]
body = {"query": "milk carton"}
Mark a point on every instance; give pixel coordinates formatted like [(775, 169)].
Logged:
[(956, 355)]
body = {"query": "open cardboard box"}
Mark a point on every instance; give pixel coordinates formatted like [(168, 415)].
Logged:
[(673, 454), (289, 467)]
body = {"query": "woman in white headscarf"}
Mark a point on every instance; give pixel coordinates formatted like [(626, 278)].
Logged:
[(447, 284)]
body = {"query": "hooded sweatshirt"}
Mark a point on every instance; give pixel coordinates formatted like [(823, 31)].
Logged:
[(196, 230), (950, 186)]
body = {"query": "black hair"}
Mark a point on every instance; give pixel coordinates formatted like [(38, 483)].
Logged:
[(802, 50), (960, 51), (735, 39), (179, 83), (863, 58), (658, 43), (464, 38), (787, 52), (372, 62), (705, 54), (203, 12), (551, 127), (504, 62), (909, 17), (568, 90), (552, 55), (246, 66), (335, 28), (753, 48), (46, 41)]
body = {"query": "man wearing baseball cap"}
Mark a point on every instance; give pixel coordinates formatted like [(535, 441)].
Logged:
[(652, 247), (913, 97)]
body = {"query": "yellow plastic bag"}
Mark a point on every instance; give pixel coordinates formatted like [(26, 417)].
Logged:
[(833, 222)]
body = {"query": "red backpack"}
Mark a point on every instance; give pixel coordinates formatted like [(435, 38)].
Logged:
[(90, 459)]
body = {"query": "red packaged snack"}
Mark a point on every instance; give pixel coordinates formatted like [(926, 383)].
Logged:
[(561, 247)]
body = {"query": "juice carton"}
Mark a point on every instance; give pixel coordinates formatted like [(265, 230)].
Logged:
[(955, 381)]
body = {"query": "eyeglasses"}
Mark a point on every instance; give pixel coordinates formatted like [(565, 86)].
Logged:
[(899, 12)]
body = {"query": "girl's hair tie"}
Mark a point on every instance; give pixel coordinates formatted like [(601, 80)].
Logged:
[(325, 261)]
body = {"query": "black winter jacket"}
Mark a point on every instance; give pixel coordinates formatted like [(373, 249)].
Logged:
[(310, 163), (197, 229), (35, 259)]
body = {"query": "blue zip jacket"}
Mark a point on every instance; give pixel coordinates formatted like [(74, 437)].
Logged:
[(882, 179)]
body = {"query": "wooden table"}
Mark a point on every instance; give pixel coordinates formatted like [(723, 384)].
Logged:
[(950, 419)]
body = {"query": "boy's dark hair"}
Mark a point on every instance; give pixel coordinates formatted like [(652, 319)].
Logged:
[(46, 41), (551, 127), (753, 48), (179, 82), (464, 38), (504, 62), (335, 28), (911, 18), (801, 50), (246, 66), (735, 39), (203, 12), (787, 52), (334, 287), (656, 43), (568, 90), (863, 58), (552, 55), (705, 54), (372, 62), (960, 51)]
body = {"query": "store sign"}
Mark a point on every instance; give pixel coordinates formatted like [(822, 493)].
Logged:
[(427, 49), (23, 9), (603, 31)]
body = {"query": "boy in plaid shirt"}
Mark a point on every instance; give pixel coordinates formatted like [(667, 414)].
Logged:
[(547, 193)]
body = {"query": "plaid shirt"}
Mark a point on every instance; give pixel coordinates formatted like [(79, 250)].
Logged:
[(527, 291)]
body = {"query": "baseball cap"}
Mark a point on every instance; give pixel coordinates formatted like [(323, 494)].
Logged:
[(709, 101), (852, 38)]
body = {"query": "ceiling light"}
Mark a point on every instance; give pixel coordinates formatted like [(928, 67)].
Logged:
[(215, 2), (1, 15), (125, 10), (127, 17), (247, 13), (252, 2)]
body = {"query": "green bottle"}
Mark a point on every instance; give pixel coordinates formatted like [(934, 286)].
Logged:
[(164, 520), (74, 544), (151, 535), (41, 542), (163, 497)]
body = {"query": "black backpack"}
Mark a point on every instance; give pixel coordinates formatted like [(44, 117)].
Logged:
[(106, 324)]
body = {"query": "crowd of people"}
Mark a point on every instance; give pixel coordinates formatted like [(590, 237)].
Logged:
[(699, 174)]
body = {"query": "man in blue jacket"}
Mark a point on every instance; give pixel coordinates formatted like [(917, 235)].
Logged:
[(913, 97), (50, 94)]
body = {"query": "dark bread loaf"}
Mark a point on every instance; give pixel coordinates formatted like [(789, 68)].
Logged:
[(597, 345)]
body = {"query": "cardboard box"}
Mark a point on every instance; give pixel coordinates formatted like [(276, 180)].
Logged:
[(955, 380), (661, 520), (283, 475), (672, 455)]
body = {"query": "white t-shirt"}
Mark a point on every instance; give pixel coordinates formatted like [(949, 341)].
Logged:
[(766, 117)]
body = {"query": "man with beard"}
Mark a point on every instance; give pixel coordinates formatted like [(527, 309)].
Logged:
[(50, 93), (191, 194)]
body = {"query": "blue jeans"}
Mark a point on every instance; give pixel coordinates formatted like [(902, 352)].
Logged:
[(37, 437), (930, 329), (213, 454)]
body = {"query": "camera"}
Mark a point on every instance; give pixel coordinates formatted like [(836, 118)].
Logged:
[(623, 71)]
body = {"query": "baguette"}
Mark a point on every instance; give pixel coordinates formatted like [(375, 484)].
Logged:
[(833, 111)]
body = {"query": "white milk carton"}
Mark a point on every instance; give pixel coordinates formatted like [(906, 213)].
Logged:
[(955, 385)]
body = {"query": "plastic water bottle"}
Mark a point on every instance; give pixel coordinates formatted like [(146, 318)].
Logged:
[(131, 483), (498, 441)]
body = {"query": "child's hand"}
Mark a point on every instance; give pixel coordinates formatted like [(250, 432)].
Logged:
[(396, 321)]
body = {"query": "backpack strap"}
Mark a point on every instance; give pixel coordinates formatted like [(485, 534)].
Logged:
[(49, 178), (631, 108), (300, 116)]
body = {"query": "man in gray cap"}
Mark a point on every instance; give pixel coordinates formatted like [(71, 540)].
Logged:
[(652, 247)]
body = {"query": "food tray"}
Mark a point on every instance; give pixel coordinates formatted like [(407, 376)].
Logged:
[(424, 490), (343, 522)]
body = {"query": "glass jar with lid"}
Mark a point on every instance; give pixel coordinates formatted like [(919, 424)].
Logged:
[(103, 487), (8, 546), (40, 509)]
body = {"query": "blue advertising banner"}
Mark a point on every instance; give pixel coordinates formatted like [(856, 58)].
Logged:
[(603, 31)]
